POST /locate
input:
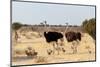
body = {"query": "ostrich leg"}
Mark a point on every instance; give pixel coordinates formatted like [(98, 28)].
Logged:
[(74, 46), (56, 47)]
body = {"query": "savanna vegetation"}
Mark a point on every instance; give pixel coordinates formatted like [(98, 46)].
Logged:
[(31, 46), (90, 27)]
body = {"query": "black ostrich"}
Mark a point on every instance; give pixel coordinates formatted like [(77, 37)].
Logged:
[(53, 37), (73, 36)]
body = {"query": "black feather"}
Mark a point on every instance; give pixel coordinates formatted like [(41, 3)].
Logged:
[(52, 36)]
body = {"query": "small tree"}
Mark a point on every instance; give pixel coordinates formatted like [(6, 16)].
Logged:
[(15, 27)]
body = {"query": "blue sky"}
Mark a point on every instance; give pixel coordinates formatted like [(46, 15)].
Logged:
[(34, 13)]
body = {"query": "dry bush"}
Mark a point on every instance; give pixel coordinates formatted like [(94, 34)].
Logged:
[(29, 51)]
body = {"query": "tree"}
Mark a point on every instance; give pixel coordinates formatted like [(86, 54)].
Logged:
[(15, 27), (90, 27)]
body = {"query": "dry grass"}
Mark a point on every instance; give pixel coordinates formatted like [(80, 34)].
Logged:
[(41, 59), (18, 52), (41, 46)]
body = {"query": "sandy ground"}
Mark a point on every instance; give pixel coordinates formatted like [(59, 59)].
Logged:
[(41, 46)]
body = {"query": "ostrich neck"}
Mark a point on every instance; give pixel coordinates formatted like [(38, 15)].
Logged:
[(66, 29)]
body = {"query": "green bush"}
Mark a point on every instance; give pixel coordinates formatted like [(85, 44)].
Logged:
[(90, 27)]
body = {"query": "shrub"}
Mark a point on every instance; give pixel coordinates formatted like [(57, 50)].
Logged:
[(90, 27)]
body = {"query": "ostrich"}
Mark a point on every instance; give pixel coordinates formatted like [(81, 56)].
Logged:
[(71, 37), (53, 37)]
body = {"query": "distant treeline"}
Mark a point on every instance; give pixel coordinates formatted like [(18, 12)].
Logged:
[(39, 25)]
